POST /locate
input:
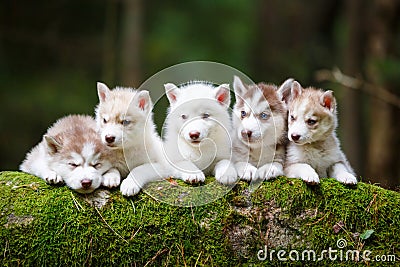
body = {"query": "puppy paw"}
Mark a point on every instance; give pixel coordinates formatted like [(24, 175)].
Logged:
[(346, 178), (269, 171), (246, 172), (53, 178), (304, 172), (226, 175), (129, 187), (310, 177), (193, 178), (111, 179)]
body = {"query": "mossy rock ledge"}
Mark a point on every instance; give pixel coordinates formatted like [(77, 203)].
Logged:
[(45, 225)]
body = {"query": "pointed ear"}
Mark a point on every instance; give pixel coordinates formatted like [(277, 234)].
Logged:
[(238, 86), (172, 92), (143, 101), (296, 90), (102, 91), (328, 100), (285, 89), (53, 146), (223, 95)]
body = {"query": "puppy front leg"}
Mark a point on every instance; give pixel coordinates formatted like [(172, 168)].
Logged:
[(188, 172), (140, 176), (302, 171), (340, 172), (111, 178), (225, 172), (42, 170), (245, 170), (269, 171)]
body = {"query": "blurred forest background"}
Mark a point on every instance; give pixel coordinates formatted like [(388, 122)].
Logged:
[(52, 53)]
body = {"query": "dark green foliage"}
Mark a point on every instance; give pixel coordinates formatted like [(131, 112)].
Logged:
[(43, 225)]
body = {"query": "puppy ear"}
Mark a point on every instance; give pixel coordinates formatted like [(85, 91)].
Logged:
[(238, 86), (328, 100), (143, 101), (296, 90), (223, 95), (53, 146), (102, 91), (172, 92), (285, 89)]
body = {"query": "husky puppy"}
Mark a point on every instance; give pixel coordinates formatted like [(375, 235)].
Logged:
[(314, 150), (71, 152), (197, 139), (125, 122), (259, 121)]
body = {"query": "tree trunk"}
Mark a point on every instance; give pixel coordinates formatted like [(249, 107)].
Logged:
[(110, 42), (350, 105), (383, 156), (131, 40)]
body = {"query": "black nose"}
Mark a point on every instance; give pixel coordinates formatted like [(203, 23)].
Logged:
[(246, 133), (194, 135), (86, 183), (110, 139), (295, 137)]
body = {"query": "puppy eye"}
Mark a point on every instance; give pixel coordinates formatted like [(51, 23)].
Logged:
[(311, 122), (243, 113), (292, 118), (104, 120), (73, 164), (125, 122), (184, 117), (263, 116), (96, 166), (205, 115)]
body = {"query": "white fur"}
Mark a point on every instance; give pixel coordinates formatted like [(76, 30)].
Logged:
[(316, 151), (202, 109), (71, 158), (125, 114), (262, 156)]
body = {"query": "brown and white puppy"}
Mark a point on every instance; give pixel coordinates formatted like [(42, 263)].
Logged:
[(71, 151), (125, 123), (259, 122), (314, 150)]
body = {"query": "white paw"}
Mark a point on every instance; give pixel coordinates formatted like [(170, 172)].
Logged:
[(346, 178), (226, 175), (111, 179), (309, 176), (53, 178), (193, 177), (269, 171), (304, 172), (129, 187), (246, 172)]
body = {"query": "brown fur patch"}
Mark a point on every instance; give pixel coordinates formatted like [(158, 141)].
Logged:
[(313, 95), (74, 131), (270, 94)]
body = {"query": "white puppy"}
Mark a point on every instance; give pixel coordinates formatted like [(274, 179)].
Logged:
[(197, 139)]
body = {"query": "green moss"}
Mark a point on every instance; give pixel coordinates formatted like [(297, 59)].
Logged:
[(51, 225)]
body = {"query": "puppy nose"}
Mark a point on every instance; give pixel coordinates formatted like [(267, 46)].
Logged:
[(246, 133), (194, 135), (86, 183), (295, 137), (110, 139)]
